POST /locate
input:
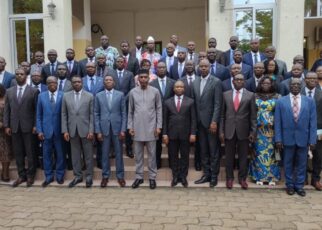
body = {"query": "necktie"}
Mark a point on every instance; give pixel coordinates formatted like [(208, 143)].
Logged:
[(60, 87), (295, 108), (178, 104), (189, 80), (77, 100), (125, 62), (310, 93), (70, 66), (109, 99), (231, 57), (213, 69), (169, 64), (52, 101), (180, 69), (37, 87), (162, 87), (190, 56), (120, 77), (236, 101), (92, 84), (202, 85), (255, 58), (52, 71), (20, 95)]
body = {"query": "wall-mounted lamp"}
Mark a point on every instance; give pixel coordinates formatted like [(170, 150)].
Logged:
[(51, 9), (222, 4)]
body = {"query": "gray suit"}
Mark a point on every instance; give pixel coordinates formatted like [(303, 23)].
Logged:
[(282, 69), (208, 105), (79, 122)]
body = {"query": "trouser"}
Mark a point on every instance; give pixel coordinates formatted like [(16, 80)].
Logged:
[(295, 162), (68, 154), (209, 152), (179, 166), (22, 146), (316, 162), (78, 145), (242, 148), (139, 159), (55, 142), (159, 150)]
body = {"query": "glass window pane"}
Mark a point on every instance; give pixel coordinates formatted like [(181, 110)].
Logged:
[(20, 40), (310, 8), (244, 27), (264, 27), (242, 2), (27, 6), (36, 39)]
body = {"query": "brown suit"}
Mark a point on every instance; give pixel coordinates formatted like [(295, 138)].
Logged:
[(236, 127)]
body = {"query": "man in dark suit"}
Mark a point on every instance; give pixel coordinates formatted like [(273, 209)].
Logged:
[(270, 53), (49, 131), (50, 69), (20, 123), (228, 83), (174, 40), (216, 69), (5, 77), (124, 82), (170, 59), (40, 62), (227, 57), (207, 91), (101, 67), (72, 65), (311, 90), (298, 59), (246, 70), (177, 70), (295, 129), (110, 126), (90, 57), (179, 130), (191, 52), (296, 72), (237, 129), (92, 83), (64, 84), (165, 86), (78, 128), (258, 73), (317, 63), (131, 63), (254, 55), (138, 50)]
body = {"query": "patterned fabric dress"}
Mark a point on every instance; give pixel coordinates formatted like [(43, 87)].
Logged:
[(5, 142), (264, 167), (153, 58), (110, 53)]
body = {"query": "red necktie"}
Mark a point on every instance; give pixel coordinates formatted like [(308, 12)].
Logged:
[(178, 104), (125, 62), (295, 108), (236, 101)]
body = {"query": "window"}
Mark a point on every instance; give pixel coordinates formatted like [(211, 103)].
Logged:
[(313, 9), (26, 6)]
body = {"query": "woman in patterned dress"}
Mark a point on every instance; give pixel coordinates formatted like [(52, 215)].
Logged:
[(264, 168), (5, 144)]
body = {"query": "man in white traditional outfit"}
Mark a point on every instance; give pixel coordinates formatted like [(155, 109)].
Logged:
[(144, 124)]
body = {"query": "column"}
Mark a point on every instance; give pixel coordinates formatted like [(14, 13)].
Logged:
[(5, 44)]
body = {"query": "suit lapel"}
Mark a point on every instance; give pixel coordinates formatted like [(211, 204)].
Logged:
[(243, 98), (25, 93), (303, 104), (196, 85), (209, 81), (58, 99)]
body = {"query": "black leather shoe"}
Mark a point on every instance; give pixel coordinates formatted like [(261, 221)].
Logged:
[(89, 183), (30, 181), (174, 182), (129, 154), (18, 182), (197, 166), (184, 182), (290, 191), (153, 185), (61, 181), (300, 192), (99, 165), (203, 179), (47, 182), (137, 183), (75, 182), (213, 182)]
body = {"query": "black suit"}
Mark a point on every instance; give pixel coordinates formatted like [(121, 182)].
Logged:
[(178, 126), (167, 94), (317, 153), (164, 59), (225, 58), (126, 84), (21, 118), (133, 65), (227, 85), (82, 66), (74, 71), (251, 84), (208, 105), (174, 70), (46, 71)]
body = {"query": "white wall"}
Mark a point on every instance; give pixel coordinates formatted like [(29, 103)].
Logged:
[(5, 45), (124, 19)]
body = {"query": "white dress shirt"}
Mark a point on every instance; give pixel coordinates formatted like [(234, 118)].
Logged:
[(138, 53), (308, 90), (164, 81), (176, 100), (63, 83), (55, 95), (240, 94), (298, 101), (80, 94), (258, 57), (28, 80), (23, 89), (1, 76), (191, 77)]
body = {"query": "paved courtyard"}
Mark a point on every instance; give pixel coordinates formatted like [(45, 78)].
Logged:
[(163, 208)]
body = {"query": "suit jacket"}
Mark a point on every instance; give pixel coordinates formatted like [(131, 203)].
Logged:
[(248, 59), (21, 114), (164, 59), (82, 66), (127, 83), (284, 86), (81, 118), (226, 85), (98, 86), (195, 58), (251, 84), (318, 102), (244, 121), (282, 68), (300, 133), (289, 74), (179, 125), (133, 65), (168, 88), (174, 71), (7, 78), (221, 72), (45, 71), (107, 118), (67, 86), (246, 70), (188, 89), (133, 51), (164, 50), (208, 104), (225, 58), (316, 64), (75, 70), (49, 120), (102, 73)]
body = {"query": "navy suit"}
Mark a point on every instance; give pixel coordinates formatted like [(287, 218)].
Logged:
[(284, 86), (46, 71), (248, 58), (295, 137), (110, 121), (226, 85), (164, 59), (49, 123), (316, 64), (126, 84), (220, 72), (98, 85), (174, 71), (76, 70), (246, 70), (7, 78), (251, 84)]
